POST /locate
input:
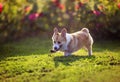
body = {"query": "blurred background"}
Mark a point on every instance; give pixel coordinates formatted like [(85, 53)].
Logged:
[(23, 18)]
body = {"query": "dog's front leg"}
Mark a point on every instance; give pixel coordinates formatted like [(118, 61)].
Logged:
[(67, 53)]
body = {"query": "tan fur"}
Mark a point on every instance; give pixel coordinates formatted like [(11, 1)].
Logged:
[(58, 37), (80, 39), (77, 41)]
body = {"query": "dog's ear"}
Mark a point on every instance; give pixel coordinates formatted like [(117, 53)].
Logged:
[(63, 32), (55, 30)]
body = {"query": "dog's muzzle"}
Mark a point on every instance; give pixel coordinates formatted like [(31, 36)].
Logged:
[(57, 49)]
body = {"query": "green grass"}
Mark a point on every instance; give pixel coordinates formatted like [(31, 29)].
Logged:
[(28, 61)]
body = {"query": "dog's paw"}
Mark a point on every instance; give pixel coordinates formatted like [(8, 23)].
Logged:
[(67, 54)]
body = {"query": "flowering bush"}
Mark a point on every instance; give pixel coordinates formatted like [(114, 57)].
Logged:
[(17, 18), (100, 16)]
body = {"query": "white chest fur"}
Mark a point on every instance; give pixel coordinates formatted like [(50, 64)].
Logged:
[(68, 38)]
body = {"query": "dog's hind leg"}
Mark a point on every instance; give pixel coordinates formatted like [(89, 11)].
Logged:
[(89, 48)]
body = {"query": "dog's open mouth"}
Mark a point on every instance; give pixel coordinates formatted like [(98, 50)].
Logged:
[(58, 48), (53, 51)]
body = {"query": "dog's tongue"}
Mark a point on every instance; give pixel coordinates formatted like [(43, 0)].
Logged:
[(52, 51)]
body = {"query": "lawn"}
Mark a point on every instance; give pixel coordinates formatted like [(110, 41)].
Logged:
[(29, 60)]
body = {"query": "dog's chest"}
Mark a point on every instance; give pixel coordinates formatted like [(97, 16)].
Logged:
[(64, 47), (68, 39)]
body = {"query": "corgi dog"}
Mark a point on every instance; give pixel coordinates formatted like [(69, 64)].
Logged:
[(69, 43)]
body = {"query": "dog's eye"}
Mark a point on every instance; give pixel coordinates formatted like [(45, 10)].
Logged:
[(54, 41), (59, 42)]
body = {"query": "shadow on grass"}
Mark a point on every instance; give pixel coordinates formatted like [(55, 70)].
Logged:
[(23, 51), (69, 59), (13, 52), (25, 48)]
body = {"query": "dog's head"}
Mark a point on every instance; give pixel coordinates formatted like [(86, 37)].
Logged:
[(59, 39)]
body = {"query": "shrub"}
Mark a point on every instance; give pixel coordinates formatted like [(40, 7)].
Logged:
[(18, 19)]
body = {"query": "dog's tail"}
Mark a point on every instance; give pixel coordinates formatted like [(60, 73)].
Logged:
[(85, 30)]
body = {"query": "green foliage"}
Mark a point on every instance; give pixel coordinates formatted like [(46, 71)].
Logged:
[(28, 60)]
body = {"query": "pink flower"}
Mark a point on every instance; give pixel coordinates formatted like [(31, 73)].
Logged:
[(118, 5), (61, 6), (27, 8), (33, 16), (77, 6), (1, 7), (56, 2), (97, 13)]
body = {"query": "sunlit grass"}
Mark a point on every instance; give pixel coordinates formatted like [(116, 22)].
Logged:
[(29, 60)]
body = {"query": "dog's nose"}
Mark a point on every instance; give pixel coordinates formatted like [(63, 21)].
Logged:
[(55, 48)]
